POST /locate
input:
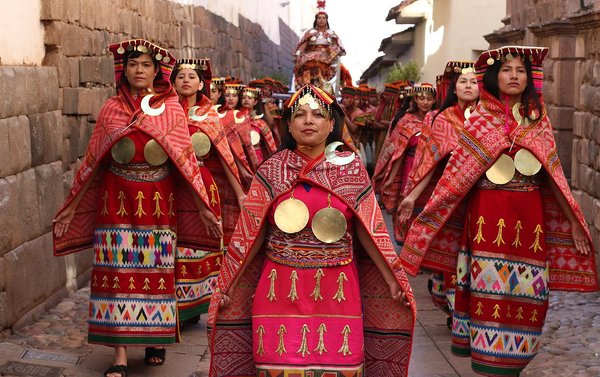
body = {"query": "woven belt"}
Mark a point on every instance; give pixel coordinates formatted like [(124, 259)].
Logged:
[(142, 172)]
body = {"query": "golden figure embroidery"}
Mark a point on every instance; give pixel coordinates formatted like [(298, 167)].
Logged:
[(281, 346), (140, 209), (105, 205), (496, 310), (293, 293), (453, 279), (303, 350), (479, 306), (116, 282), (122, 212), (171, 199), (508, 312), (345, 348), (536, 244), (261, 348), (218, 263), (213, 190), (157, 199), (321, 345), (533, 316), (131, 283), (520, 313), (105, 281), (146, 284), (208, 265), (183, 270), (271, 294), (339, 295), (95, 281), (316, 293), (518, 228), (161, 286), (499, 240), (479, 237)]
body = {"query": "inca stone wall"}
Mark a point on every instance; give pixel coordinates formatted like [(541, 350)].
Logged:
[(47, 114), (571, 30)]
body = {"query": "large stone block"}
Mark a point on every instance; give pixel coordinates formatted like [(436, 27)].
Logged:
[(13, 81), (49, 192), (89, 70), (23, 268), (564, 90), (9, 211), (52, 10), (15, 142), (87, 9), (72, 11), (588, 96), (587, 205), (53, 33), (28, 205), (46, 137), (73, 40), (78, 100)]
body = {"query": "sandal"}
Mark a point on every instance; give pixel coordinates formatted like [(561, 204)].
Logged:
[(155, 356), (122, 370)]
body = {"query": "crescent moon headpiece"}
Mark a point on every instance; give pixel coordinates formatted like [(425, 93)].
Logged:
[(315, 97)]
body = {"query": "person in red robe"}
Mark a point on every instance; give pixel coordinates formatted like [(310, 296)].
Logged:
[(261, 136), (124, 203), (523, 234), (436, 143), (197, 267), (311, 282)]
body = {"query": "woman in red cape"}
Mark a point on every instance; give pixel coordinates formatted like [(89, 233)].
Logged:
[(296, 293), (197, 267), (402, 159), (261, 136), (241, 148), (436, 143), (124, 203), (524, 234)]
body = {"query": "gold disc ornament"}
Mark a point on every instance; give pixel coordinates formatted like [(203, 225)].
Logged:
[(291, 215), (201, 143), (502, 171), (154, 154), (526, 163), (254, 137), (123, 150), (329, 225)]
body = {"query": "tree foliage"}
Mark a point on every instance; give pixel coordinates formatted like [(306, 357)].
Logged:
[(409, 71)]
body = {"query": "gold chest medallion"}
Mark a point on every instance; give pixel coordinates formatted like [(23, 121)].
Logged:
[(154, 154), (201, 143), (123, 150)]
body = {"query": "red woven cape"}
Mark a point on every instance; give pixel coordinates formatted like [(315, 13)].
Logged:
[(482, 141), (211, 126), (436, 142), (266, 134), (407, 127), (169, 129), (388, 325)]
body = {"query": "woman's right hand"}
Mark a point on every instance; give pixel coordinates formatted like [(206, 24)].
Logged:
[(225, 301), (213, 225), (405, 209), (63, 220)]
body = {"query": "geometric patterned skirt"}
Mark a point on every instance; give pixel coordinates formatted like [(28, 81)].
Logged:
[(308, 322), (132, 300), (502, 279)]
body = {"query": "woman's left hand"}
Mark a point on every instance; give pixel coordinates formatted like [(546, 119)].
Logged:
[(581, 242), (397, 293), (213, 225)]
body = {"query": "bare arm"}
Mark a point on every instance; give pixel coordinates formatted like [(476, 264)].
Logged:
[(213, 225), (407, 206), (371, 249), (581, 242)]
